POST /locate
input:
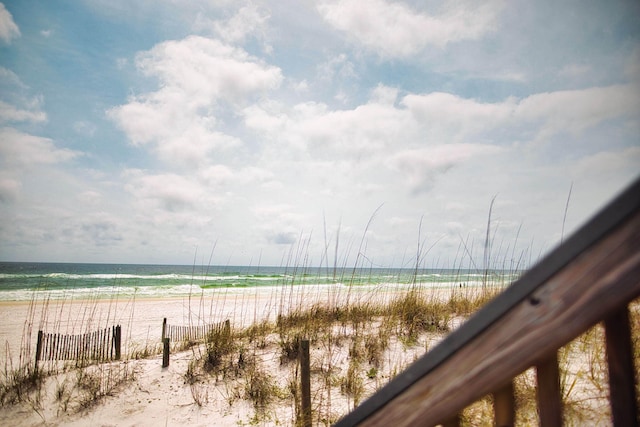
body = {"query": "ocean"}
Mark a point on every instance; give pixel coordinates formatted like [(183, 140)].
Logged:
[(24, 281)]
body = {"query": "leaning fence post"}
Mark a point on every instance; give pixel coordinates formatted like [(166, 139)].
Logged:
[(305, 383), (164, 328), (165, 353), (38, 348), (117, 340), (227, 327)]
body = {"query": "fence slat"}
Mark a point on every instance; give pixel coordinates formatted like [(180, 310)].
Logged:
[(56, 346), (45, 349), (63, 340), (59, 346), (38, 349), (105, 344), (119, 342), (624, 409), (52, 346)]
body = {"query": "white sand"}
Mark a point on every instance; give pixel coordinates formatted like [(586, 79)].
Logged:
[(160, 396)]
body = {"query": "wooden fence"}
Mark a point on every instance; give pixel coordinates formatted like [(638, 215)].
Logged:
[(591, 278), (191, 333), (101, 345)]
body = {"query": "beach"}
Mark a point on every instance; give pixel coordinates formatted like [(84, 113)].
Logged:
[(360, 339), (235, 336), (153, 394), (142, 318)]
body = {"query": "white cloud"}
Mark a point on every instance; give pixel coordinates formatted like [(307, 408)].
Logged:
[(574, 70), (604, 165), (168, 191), (16, 106), (338, 66), (195, 75), (431, 108), (8, 29), (208, 71), (90, 197), (450, 118), (216, 174), (393, 29), (10, 79), (10, 113), (411, 141), (578, 110), (249, 19), (632, 65), (422, 166), (84, 128), (300, 87), (9, 189), (18, 149), (279, 224), (312, 129)]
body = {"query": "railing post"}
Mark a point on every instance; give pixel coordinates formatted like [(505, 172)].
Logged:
[(452, 422), (305, 383), (549, 397), (504, 406), (624, 409)]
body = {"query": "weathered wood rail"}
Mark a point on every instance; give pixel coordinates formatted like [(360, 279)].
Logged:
[(101, 345), (591, 278)]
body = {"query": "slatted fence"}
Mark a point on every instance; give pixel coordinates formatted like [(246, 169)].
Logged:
[(192, 333), (101, 345)]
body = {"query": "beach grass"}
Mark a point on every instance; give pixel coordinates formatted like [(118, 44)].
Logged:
[(356, 349), (360, 339)]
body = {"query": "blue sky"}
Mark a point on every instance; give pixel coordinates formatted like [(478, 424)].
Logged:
[(154, 131)]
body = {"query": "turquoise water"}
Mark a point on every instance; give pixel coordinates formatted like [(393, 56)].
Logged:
[(25, 281)]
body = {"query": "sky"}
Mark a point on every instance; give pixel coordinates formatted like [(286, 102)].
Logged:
[(380, 133)]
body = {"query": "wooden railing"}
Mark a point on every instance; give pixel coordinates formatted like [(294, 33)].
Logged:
[(591, 278)]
